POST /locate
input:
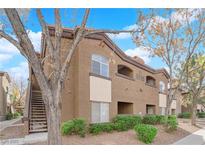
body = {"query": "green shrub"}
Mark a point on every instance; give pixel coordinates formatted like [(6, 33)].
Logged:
[(101, 127), (150, 119), (125, 122), (201, 114), (171, 123), (75, 126), (10, 115), (186, 115), (161, 119), (16, 115), (145, 133)]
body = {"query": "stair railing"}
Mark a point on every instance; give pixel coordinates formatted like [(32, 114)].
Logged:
[(27, 109)]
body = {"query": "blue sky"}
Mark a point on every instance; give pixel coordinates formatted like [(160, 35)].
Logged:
[(118, 19)]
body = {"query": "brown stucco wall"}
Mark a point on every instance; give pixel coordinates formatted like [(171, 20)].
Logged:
[(76, 93)]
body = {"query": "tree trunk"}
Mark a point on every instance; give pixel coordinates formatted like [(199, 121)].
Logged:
[(194, 109), (169, 102), (168, 108), (54, 122)]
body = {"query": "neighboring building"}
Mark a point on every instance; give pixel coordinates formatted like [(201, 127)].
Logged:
[(103, 82), (4, 94)]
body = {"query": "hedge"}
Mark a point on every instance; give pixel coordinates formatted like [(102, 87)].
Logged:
[(101, 127), (171, 123), (10, 115), (126, 122), (201, 114), (154, 119), (75, 126), (186, 115)]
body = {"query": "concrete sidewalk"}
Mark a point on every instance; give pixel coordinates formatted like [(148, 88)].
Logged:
[(34, 138), (7, 123), (196, 138)]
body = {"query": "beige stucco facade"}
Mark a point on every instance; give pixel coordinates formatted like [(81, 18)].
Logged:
[(4, 94), (116, 93)]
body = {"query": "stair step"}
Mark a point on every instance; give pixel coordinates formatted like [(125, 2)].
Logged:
[(38, 130), (38, 111), (37, 100), (36, 115), (34, 105), (38, 119), (36, 95), (38, 123), (36, 91), (38, 108), (37, 126)]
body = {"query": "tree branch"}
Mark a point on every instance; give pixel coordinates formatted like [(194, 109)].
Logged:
[(28, 47), (45, 31), (14, 42), (70, 53)]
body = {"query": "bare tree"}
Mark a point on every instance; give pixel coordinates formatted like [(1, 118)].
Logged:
[(51, 90), (51, 86), (17, 94), (174, 37)]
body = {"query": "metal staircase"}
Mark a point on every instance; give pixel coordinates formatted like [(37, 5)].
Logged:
[(37, 120)]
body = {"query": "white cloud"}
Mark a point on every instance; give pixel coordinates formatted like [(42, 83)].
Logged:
[(9, 51), (20, 71), (5, 57), (123, 35), (119, 36), (7, 48), (140, 52), (36, 40)]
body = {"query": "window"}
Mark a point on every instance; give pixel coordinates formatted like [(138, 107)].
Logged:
[(100, 112), (162, 110), (173, 111), (161, 86), (100, 65)]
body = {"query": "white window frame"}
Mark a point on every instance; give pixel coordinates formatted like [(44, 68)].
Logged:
[(161, 83), (100, 112), (100, 60), (162, 109)]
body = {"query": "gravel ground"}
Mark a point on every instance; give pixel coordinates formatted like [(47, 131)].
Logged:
[(125, 138)]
